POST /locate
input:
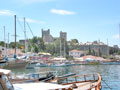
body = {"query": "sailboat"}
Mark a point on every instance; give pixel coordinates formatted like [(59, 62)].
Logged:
[(15, 61)]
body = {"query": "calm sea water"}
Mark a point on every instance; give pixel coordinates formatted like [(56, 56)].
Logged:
[(110, 73)]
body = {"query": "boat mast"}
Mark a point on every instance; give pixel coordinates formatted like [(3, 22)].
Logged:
[(107, 47), (119, 31), (60, 48), (25, 36), (8, 44), (64, 50), (4, 42), (15, 33)]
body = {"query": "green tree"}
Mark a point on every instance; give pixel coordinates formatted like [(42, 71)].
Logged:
[(89, 52), (37, 44), (2, 43), (12, 45), (75, 41)]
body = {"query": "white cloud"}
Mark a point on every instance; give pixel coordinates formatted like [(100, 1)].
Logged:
[(6, 13), (33, 1), (29, 20), (117, 36), (34, 21), (62, 12)]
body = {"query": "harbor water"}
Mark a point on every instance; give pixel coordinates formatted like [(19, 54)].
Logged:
[(110, 73)]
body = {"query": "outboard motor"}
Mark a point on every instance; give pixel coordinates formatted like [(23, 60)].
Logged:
[(50, 76)]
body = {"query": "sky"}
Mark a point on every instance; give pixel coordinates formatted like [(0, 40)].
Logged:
[(85, 20)]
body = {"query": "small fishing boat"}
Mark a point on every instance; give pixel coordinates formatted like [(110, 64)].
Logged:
[(110, 63), (31, 65), (58, 65), (41, 65)]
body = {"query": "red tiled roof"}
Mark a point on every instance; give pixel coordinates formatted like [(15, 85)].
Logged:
[(89, 56), (76, 51), (92, 57)]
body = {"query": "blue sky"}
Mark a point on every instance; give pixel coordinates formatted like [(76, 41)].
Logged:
[(85, 20)]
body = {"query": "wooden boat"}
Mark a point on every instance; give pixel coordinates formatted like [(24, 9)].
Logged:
[(77, 82), (6, 84), (15, 64), (81, 82)]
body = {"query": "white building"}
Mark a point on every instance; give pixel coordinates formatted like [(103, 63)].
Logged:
[(75, 53)]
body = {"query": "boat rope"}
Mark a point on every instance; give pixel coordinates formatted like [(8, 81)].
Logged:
[(107, 84), (20, 23), (36, 42), (30, 28), (103, 80)]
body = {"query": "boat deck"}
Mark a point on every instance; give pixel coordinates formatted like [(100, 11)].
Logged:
[(84, 86), (50, 86), (82, 82), (40, 86)]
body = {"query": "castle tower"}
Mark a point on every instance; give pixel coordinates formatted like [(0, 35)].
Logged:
[(63, 35)]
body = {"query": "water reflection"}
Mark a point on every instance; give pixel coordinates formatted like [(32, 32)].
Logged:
[(109, 73)]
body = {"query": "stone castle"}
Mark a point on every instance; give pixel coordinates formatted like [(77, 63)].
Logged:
[(48, 38), (96, 46)]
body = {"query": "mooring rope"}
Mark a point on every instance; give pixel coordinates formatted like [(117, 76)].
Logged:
[(107, 84)]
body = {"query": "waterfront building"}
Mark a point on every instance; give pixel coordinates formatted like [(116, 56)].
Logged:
[(9, 51), (92, 58), (116, 46), (97, 47), (75, 53), (22, 42)]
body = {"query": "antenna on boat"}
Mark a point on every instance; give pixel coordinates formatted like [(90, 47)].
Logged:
[(15, 33)]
